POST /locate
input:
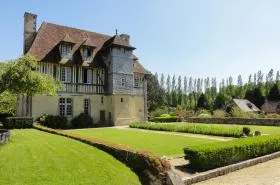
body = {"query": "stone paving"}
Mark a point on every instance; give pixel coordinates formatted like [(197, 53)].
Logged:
[(267, 173)]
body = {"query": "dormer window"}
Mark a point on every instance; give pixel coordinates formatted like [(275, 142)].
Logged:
[(86, 53), (65, 50)]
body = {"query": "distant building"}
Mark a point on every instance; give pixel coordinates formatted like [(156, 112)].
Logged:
[(244, 105), (271, 106), (100, 74)]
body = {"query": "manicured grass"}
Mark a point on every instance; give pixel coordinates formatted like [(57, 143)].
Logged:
[(196, 128), (207, 129), (163, 144), (35, 158)]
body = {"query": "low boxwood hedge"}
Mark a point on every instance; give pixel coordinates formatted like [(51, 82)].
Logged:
[(196, 128), (220, 154), (52, 121), (165, 119), (18, 122)]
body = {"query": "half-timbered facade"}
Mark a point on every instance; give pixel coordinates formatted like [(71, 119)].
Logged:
[(100, 74)]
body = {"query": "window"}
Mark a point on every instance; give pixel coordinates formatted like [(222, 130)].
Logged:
[(136, 81), (102, 99), (87, 76), (65, 50), (86, 53), (121, 99), (65, 74), (65, 106), (87, 106), (123, 82)]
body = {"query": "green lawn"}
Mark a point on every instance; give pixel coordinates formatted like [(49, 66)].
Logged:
[(37, 158), (163, 144)]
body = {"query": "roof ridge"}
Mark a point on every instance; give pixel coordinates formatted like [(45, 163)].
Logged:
[(78, 29)]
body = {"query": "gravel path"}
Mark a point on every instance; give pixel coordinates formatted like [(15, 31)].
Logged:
[(217, 138), (267, 173)]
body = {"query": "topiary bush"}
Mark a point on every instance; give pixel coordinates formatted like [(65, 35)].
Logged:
[(82, 121), (59, 122), (206, 157), (246, 131), (219, 114), (18, 122)]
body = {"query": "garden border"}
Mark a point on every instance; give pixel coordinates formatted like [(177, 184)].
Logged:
[(152, 169), (236, 121), (230, 168)]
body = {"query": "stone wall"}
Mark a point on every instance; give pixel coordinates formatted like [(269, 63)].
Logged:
[(5, 135), (244, 121)]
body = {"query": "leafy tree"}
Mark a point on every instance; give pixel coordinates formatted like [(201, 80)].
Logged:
[(185, 91), (20, 78), (221, 101), (202, 102), (274, 93), (168, 87), (179, 91), (162, 82), (155, 94), (173, 92), (255, 96), (8, 102)]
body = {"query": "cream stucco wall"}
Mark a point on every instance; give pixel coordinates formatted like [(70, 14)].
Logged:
[(122, 113)]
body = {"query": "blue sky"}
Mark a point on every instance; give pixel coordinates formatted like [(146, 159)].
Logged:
[(197, 38)]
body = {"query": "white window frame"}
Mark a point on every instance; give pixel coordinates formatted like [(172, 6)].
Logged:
[(87, 106), (65, 50), (89, 76), (65, 74), (65, 107)]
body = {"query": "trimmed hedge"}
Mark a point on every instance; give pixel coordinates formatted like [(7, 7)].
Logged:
[(18, 122), (150, 167), (52, 121), (165, 119), (225, 153), (196, 128)]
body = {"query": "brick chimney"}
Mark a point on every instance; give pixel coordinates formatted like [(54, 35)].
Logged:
[(29, 30), (125, 37)]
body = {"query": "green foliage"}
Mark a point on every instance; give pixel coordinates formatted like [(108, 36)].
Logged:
[(82, 121), (255, 96), (202, 102), (18, 122), (165, 119), (246, 131), (225, 153), (272, 115), (237, 112), (274, 93), (155, 93), (20, 78), (55, 122), (165, 115), (221, 100), (196, 128), (8, 103), (204, 115), (219, 113), (159, 111)]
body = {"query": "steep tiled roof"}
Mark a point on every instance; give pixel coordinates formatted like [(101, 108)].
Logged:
[(50, 35), (246, 105), (271, 106), (137, 67)]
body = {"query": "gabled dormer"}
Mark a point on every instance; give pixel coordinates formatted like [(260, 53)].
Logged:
[(65, 49), (86, 53)]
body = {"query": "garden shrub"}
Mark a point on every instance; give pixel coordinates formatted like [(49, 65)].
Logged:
[(237, 112), (257, 133), (246, 131), (190, 113), (82, 121), (42, 118), (219, 113), (206, 157), (18, 122), (55, 122), (197, 128), (165, 119), (204, 115), (159, 111), (3, 116), (165, 115), (272, 115)]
